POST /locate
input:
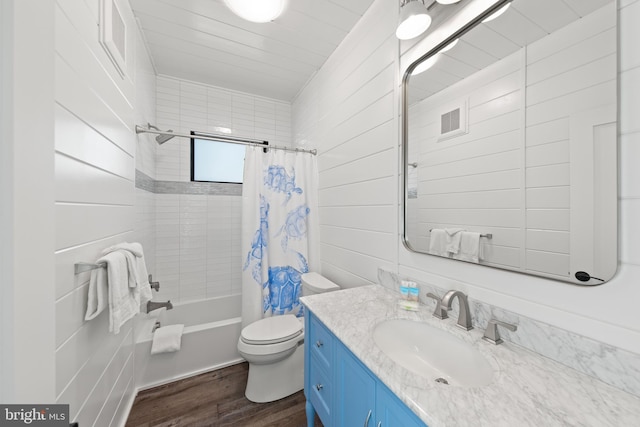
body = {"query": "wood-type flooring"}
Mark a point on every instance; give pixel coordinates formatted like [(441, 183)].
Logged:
[(214, 399)]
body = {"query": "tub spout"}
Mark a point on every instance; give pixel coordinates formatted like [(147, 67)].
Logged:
[(152, 305)]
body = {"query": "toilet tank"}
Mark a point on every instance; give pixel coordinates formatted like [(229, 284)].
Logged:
[(314, 283)]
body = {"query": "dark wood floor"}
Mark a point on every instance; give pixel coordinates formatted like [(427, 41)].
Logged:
[(214, 399)]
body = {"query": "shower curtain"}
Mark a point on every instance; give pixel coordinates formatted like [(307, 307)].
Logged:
[(279, 231)]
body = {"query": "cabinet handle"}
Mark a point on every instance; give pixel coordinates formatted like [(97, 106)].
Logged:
[(319, 387), (366, 422), (379, 424), (319, 344)]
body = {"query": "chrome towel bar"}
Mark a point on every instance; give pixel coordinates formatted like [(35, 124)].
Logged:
[(487, 235), (81, 267)]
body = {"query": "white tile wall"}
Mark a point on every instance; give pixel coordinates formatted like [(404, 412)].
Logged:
[(604, 313), (186, 106), (197, 246), (198, 236)]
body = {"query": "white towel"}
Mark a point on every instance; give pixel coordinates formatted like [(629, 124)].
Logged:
[(98, 297), (469, 247), (453, 236), (139, 275), (167, 339), (438, 242), (122, 304)]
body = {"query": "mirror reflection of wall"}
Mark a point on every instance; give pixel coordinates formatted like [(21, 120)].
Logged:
[(512, 134)]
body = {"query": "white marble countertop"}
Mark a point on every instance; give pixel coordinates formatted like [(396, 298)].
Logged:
[(526, 390)]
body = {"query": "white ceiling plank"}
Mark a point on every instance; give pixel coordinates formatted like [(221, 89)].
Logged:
[(585, 7), (198, 38), (329, 12), (538, 12), (516, 27), (214, 14), (357, 6), (203, 41), (210, 71), (161, 41)]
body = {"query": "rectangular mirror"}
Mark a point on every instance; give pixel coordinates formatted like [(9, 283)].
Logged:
[(510, 142)]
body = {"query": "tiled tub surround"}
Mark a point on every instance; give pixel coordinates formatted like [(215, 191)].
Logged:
[(196, 237), (609, 364), (526, 390)]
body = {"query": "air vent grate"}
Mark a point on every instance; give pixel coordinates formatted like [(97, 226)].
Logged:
[(450, 121)]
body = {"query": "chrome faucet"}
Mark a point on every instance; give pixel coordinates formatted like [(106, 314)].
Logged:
[(464, 318), (151, 305)]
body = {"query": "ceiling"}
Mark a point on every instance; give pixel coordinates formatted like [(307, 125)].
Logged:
[(523, 23), (203, 41)]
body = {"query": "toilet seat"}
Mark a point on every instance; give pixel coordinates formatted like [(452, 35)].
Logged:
[(272, 330)]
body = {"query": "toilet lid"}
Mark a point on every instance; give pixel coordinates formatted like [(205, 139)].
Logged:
[(272, 330)]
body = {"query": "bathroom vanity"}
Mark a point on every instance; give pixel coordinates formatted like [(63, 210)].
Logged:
[(342, 390), (351, 381)]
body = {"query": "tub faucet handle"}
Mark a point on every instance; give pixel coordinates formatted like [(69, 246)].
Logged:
[(154, 285)]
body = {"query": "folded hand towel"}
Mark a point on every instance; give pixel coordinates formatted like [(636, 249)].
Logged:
[(453, 236), (438, 242), (167, 339), (98, 297), (122, 304), (469, 247), (138, 268)]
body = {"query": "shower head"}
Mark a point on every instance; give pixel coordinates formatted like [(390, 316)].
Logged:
[(161, 139)]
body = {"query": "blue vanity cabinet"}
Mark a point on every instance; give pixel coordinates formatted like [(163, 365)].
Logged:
[(355, 391), (391, 412), (318, 371), (343, 391)]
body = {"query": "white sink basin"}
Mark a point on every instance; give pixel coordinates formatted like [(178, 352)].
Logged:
[(432, 353)]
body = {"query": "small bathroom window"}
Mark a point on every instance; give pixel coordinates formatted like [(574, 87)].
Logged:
[(216, 161)]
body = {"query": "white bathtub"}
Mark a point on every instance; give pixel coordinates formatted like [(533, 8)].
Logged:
[(209, 341)]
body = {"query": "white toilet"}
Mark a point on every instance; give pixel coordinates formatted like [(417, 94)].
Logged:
[(273, 347)]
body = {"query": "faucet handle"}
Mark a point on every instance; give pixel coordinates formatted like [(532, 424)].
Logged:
[(492, 335), (154, 285), (440, 312)]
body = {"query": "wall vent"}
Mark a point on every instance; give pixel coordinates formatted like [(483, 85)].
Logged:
[(450, 121), (455, 121)]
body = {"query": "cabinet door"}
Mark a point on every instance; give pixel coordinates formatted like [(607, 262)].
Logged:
[(355, 391), (391, 412)]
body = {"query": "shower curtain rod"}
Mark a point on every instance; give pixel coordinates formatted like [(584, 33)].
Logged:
[(223, 138)]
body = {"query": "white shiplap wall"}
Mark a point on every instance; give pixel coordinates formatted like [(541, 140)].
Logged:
[(348, 112), (363, 210), (475, 181), (198, 236), (95, 149)]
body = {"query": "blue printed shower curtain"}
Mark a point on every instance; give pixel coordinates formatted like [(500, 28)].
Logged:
[(279, 231)]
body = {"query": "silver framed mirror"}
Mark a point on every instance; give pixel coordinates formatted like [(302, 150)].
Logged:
[(509, 136)]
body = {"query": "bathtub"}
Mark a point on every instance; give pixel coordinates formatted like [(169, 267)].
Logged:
[(209, 341)]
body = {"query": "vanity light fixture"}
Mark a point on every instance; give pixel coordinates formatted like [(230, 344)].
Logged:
[(257, 10), (497, 13), (414, 19)]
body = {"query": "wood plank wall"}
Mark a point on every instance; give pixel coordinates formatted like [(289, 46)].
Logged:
[(95, 149)]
